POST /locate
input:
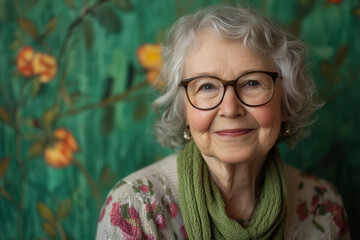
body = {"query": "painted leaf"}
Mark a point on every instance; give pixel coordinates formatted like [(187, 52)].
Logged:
[(45, 211), (36, 149), (64, 208), (75, 95), (49, 228), (29, 27), (106, 176), (31, 3), (341, 54), (50, 26), (4, 115), (70, 3), (4, 165), (108, 19), (88, 32), (356, 11), (304, 7), (140, 111), (35, 87), (124, 5), (326, 69), (50, 115), (16, 44)]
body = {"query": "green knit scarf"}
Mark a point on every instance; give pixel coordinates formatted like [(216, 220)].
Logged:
[(203, 209)]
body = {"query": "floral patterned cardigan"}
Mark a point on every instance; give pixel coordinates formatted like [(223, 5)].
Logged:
[(145, 205)]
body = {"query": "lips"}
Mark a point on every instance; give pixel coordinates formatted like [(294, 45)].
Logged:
[(234, 132)]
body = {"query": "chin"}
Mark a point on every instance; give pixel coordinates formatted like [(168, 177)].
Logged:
[(233, 156)]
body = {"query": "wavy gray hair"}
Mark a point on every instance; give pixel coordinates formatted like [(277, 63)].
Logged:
[(259, 34)]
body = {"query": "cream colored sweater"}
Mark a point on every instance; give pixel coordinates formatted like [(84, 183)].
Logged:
[(145, 205)]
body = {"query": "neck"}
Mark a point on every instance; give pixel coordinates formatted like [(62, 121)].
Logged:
[(239, 185)]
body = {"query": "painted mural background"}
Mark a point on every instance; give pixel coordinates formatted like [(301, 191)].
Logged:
[(76, 86)]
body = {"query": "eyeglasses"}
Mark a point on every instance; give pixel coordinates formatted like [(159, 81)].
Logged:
[(253, 89)]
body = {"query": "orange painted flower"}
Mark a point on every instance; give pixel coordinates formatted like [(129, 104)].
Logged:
[(31, 63), (65, 136), (149, 55), (24, 61), (152, 78), (60, 154), (335, 1)]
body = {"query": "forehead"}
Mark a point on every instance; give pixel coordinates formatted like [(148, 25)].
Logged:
[(222, 57)]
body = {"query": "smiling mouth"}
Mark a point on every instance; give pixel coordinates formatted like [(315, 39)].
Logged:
[(234, 132)]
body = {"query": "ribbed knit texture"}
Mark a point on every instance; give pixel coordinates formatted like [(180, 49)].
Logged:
[(203, 209)]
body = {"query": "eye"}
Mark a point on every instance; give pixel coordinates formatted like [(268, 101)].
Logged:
[(252, 83), (207, 86)]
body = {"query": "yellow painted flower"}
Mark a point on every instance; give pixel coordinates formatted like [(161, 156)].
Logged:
[(44, 66), (149, 55)]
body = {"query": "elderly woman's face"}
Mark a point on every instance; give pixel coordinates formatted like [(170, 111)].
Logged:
[(232, 132)]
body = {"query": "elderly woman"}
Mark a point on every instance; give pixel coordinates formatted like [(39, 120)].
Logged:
[(236, 85)]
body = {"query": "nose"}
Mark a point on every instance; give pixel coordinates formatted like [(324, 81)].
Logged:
[(231, 105)]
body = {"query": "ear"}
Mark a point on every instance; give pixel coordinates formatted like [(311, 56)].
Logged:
[(185, 118)]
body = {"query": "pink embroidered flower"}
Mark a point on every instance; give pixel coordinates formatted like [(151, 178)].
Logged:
[(172, 208), (134, 214), (102, 214), (144, 188), (330, 207), (184, 233), (160, 221), (339, 210), (130, 230), (108, 200), (153, 206), (302, 211), (146, 237), (147, 208), (315, 201), (341, 224)]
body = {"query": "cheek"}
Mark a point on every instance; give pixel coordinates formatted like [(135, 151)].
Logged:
[(199, 121), (269, 120), (268, 117)]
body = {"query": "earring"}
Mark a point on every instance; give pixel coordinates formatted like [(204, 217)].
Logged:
[(285, 130), (187, 134)]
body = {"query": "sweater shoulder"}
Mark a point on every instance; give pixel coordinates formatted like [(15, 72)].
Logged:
[(143, 205), (315, 208)]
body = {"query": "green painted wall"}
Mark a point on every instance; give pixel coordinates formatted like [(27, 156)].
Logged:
[(100, 95)]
